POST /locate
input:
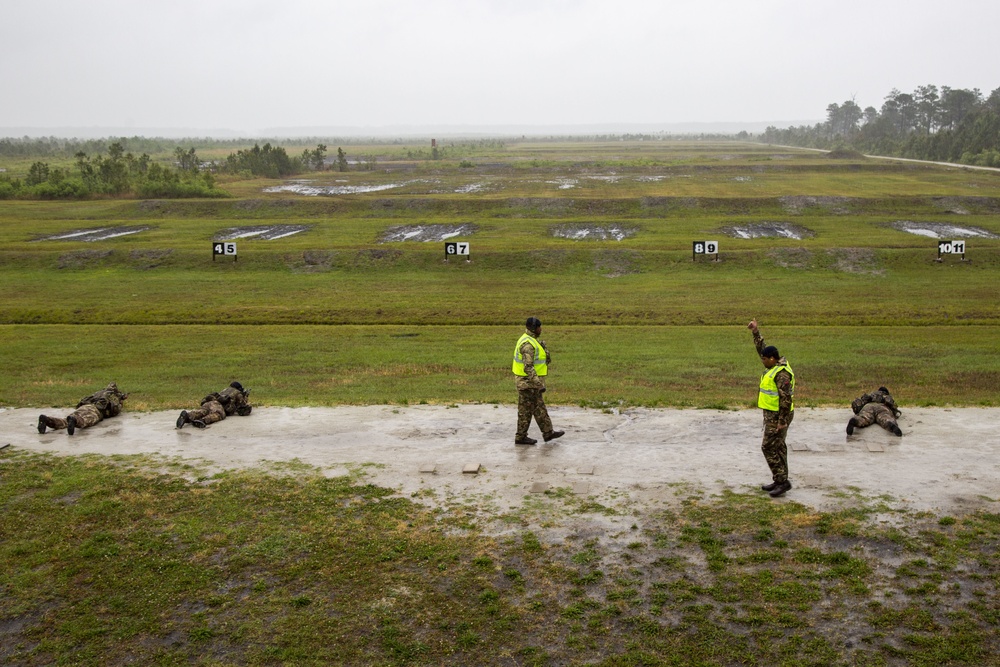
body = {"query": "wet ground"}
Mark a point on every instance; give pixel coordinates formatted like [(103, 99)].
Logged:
[(262, 232), (942, 230), (94, 234), (945, 462)]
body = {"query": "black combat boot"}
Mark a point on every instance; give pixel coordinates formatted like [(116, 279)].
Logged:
[(525, 441), (769, 487), (851, 425), (197, 423), (780, 489), (183, 419), (71, 424), (41, 423), (896, 431), (553, 435)]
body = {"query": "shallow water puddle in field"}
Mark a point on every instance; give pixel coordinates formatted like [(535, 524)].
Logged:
[(307, 188), (768, 229), (942, 230), (99, 234), (593, 232), (263, 232), (426, 233)]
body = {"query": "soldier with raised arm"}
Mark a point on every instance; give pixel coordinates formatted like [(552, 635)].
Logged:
[(774, 397)]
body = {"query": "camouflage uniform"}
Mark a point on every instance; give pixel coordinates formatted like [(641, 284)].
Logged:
[(876, 407), (217, 406), (89, 411), (530, 388), (773, 445)]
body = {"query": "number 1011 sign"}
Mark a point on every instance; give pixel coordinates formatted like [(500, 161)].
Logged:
[(951, 248)]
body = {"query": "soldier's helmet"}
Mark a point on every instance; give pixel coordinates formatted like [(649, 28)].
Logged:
[(236, 385), (883, 390)]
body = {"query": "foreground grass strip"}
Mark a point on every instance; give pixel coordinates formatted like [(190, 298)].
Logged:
[(693, 366), (108, 561)]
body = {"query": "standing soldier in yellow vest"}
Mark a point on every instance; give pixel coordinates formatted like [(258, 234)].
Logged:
[(777, 385), (531, 365)]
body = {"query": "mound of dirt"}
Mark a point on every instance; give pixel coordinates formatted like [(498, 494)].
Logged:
[(791, 258), (427, 233), (82, 259), (586, 232), (855, 260), (262, 232), (758, 230), (615, 262), (96, 234), (148, 259), (796, 204), (942, 230), (310, 261)]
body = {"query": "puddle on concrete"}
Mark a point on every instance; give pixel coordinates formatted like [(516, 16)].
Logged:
[(427, 233), (263, 232), (98, 234), (942, 230), (307, 188), (767, 229), (584, 232)]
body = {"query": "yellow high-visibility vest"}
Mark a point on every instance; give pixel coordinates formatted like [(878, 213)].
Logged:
[(768, 396), (540, 364)]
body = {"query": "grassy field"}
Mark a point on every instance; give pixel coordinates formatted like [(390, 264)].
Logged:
[(121, 560)]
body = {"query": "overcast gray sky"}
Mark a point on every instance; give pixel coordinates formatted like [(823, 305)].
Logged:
[(248, 65)]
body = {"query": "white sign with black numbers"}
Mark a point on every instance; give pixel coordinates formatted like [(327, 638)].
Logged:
[(951, 247), (706, 248), (456, 248), (223, 249)]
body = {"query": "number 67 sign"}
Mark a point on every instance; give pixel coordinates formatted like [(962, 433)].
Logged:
[(456, 248)]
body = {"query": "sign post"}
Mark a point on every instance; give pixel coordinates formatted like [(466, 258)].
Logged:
[(950, 248), (457, 248), (704, 248), (225, 249)]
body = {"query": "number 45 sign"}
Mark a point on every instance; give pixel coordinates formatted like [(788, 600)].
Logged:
[(226, 249), (452, 248)]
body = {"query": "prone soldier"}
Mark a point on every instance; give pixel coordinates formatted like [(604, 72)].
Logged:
[(217, 406), (90, 410), (876, 407)]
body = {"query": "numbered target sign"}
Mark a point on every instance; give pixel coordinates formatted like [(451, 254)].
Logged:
[(456, 248), (951, 247), (704, 248), (223, 248)]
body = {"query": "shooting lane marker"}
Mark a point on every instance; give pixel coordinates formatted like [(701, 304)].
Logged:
[(472, 468), (581, 488), (539, 487), (429, 467)]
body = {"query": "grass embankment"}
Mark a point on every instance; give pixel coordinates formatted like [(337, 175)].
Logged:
[(115, 562)]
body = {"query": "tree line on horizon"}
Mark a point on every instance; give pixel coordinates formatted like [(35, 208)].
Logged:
[(939, 124)]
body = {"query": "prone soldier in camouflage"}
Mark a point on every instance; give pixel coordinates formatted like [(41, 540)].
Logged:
[(531, 363), (876, 407), (217, 406), (777, 386), (90, 410)]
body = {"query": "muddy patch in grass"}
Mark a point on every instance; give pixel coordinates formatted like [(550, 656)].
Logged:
[(799, 203), (855, 260), (942, 230), (310, 189), (148, 259), (96, 234), (310, 261), (427, 233), (262, 232), (756, 230), (585, 232), (82, 259), (614, 263)]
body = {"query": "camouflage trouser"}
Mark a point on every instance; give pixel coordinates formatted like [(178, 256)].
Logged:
[(773, 446), (209, 413), (86, 415), (530, 403), (876, 413)]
